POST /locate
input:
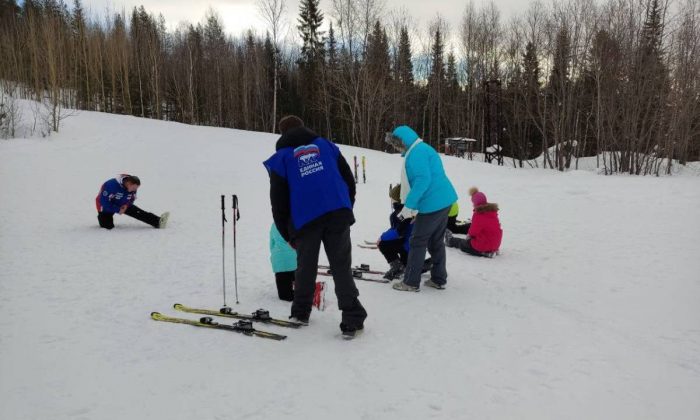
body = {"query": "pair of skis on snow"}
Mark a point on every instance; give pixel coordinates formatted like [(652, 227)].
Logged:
[(360, 272), (243, 326)]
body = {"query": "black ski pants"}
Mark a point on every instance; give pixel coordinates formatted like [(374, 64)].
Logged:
[(106, 219), (454, 226), (336, 242), (285, 285), (466, 246), (394, 250)]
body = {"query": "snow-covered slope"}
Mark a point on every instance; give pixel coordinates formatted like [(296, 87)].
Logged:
[(591, 311)]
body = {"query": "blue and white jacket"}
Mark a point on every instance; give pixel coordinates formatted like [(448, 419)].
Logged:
[(113, 195), (399, 229), (430, 190)]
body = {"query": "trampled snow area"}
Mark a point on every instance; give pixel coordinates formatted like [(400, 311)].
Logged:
[(591, 312)]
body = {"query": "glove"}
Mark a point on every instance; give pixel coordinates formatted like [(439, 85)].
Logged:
[(407, 213)]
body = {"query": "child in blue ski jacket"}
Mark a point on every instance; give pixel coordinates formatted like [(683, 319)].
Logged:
[(394, 242), (117, 196)]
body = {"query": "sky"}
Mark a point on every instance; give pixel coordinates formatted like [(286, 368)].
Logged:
[(240, 15)]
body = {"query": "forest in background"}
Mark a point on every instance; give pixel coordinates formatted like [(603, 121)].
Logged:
[(618, 79)]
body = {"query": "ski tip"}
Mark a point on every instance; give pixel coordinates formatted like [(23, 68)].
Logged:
[(177, 305), (156, 315)]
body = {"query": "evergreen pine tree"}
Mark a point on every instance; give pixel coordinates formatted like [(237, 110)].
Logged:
[(531, 91), (311, 59), (404, 64)]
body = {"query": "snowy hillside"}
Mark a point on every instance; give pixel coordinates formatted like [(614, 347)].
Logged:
[(591, 311)]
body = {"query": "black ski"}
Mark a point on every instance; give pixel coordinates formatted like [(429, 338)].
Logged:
[(362, 267), (260, 315), (243, 326), (359, 275)]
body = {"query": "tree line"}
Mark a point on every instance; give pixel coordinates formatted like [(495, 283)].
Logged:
[(618, 79)]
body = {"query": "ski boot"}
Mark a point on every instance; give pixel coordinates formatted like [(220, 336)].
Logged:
[(395, 271)]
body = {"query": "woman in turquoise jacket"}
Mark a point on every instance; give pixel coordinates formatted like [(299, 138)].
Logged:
[(427, 194), (284, 263)]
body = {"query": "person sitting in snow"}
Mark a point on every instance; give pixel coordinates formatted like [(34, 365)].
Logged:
[(453, 225), (485, 234), (117, 195), (394, 242)]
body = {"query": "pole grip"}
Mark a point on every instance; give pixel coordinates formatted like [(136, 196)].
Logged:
[(237, 212), (223, 212)]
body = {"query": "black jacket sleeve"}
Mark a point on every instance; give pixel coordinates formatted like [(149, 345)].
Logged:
[(348, 177), (281, 208)]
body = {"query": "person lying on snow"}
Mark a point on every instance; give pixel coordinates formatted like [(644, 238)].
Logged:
[(117, 195), (485, 233)]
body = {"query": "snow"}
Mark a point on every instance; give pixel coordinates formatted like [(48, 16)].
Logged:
[(591, 311)]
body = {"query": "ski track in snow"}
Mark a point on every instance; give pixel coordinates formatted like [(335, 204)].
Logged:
[(591, 310)]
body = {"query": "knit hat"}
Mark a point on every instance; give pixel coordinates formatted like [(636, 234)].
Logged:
[(478, 198), (288, 122), (395, 193)]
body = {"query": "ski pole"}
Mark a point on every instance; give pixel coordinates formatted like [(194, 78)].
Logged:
[(390, 203), (223, 248), (355, 159), (236, 215), (364, 175)]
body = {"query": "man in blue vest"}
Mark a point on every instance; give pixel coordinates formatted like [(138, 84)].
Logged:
[(312, 192)]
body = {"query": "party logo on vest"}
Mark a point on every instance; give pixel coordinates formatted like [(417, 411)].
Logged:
[(309, 159)]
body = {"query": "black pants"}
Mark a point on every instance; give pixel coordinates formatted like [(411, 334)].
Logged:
[(393, 250), (336, 241), (455, 226), (285, 285), (106, 220), (466, 246)]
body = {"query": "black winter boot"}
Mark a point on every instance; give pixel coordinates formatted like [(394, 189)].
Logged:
[(448, 239), (427, 265), (395, 271)]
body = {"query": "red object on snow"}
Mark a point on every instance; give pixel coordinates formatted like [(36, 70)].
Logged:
[(319, 295)]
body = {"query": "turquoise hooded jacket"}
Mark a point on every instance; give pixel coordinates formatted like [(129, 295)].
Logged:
[(431, 190), (282, 256)]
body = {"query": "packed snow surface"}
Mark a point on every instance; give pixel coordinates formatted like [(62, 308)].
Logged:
[(590, 312)]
